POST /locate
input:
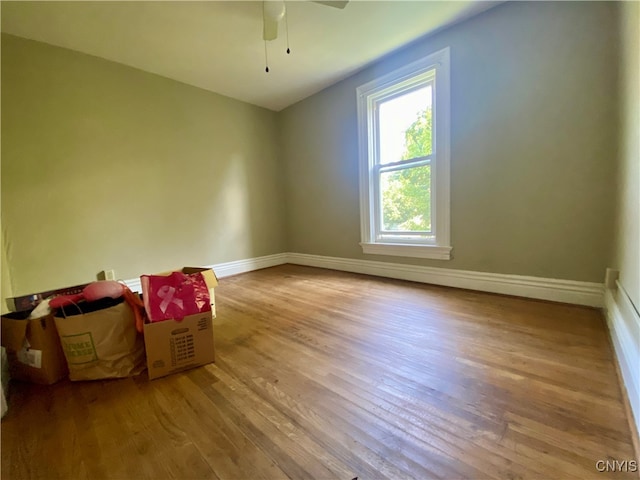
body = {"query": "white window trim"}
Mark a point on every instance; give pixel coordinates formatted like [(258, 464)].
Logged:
[(441, 248)]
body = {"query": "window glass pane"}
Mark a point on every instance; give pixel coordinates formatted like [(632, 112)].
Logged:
[(405, 126), (405, 197)]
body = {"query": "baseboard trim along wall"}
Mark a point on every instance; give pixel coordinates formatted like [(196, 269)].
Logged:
[(624, 327), (566, 291), (241, 266)]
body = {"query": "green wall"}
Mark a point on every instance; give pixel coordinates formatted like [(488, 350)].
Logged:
[(533, 141), (627, 246), (109, 167)]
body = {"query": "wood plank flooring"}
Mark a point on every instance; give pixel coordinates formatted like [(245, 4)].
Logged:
[(330, 375)]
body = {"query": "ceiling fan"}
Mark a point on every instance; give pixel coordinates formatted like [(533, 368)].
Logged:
[(275, 10)]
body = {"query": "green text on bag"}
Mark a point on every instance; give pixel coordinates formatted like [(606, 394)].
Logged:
[(79, 348)]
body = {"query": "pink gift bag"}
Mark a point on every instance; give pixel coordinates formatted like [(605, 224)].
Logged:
[(174, 296)]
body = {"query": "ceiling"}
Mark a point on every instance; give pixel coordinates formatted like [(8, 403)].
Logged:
[(218, 45)]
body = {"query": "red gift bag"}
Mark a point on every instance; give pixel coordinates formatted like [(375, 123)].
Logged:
[(174, 296)]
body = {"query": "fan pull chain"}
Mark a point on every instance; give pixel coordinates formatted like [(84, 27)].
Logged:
[(266, 58), (286, 24)]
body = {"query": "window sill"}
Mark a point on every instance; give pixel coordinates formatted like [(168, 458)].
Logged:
[(407, 250)]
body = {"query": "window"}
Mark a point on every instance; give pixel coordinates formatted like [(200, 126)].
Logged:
[(404, 160)]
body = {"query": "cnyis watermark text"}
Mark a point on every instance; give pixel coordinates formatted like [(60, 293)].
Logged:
[(612, 465)]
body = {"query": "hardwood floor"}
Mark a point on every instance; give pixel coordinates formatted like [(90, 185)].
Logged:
[(322, 374)]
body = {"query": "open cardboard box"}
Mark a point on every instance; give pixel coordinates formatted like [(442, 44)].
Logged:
[(173, 346), (33, 348), (29, 302)]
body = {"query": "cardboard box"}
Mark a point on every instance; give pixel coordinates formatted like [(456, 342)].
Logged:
[(173, 346), (29, 302), (33, 348)]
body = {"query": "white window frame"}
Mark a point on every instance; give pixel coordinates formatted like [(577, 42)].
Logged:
[(432, 69)]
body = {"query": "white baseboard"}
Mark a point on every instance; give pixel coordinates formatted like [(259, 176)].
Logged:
[(230, 268), (241, 266), (624, 328), (566, 291)]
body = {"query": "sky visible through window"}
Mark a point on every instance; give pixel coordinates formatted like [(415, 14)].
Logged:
[(396, 116)]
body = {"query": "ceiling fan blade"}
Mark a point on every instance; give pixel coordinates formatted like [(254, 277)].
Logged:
[(270, 29), (333, 3)]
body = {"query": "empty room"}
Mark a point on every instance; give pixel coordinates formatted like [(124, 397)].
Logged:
[(320, 239)]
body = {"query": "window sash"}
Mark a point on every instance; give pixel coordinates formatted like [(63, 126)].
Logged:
[(378, 170), (423, 80)]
